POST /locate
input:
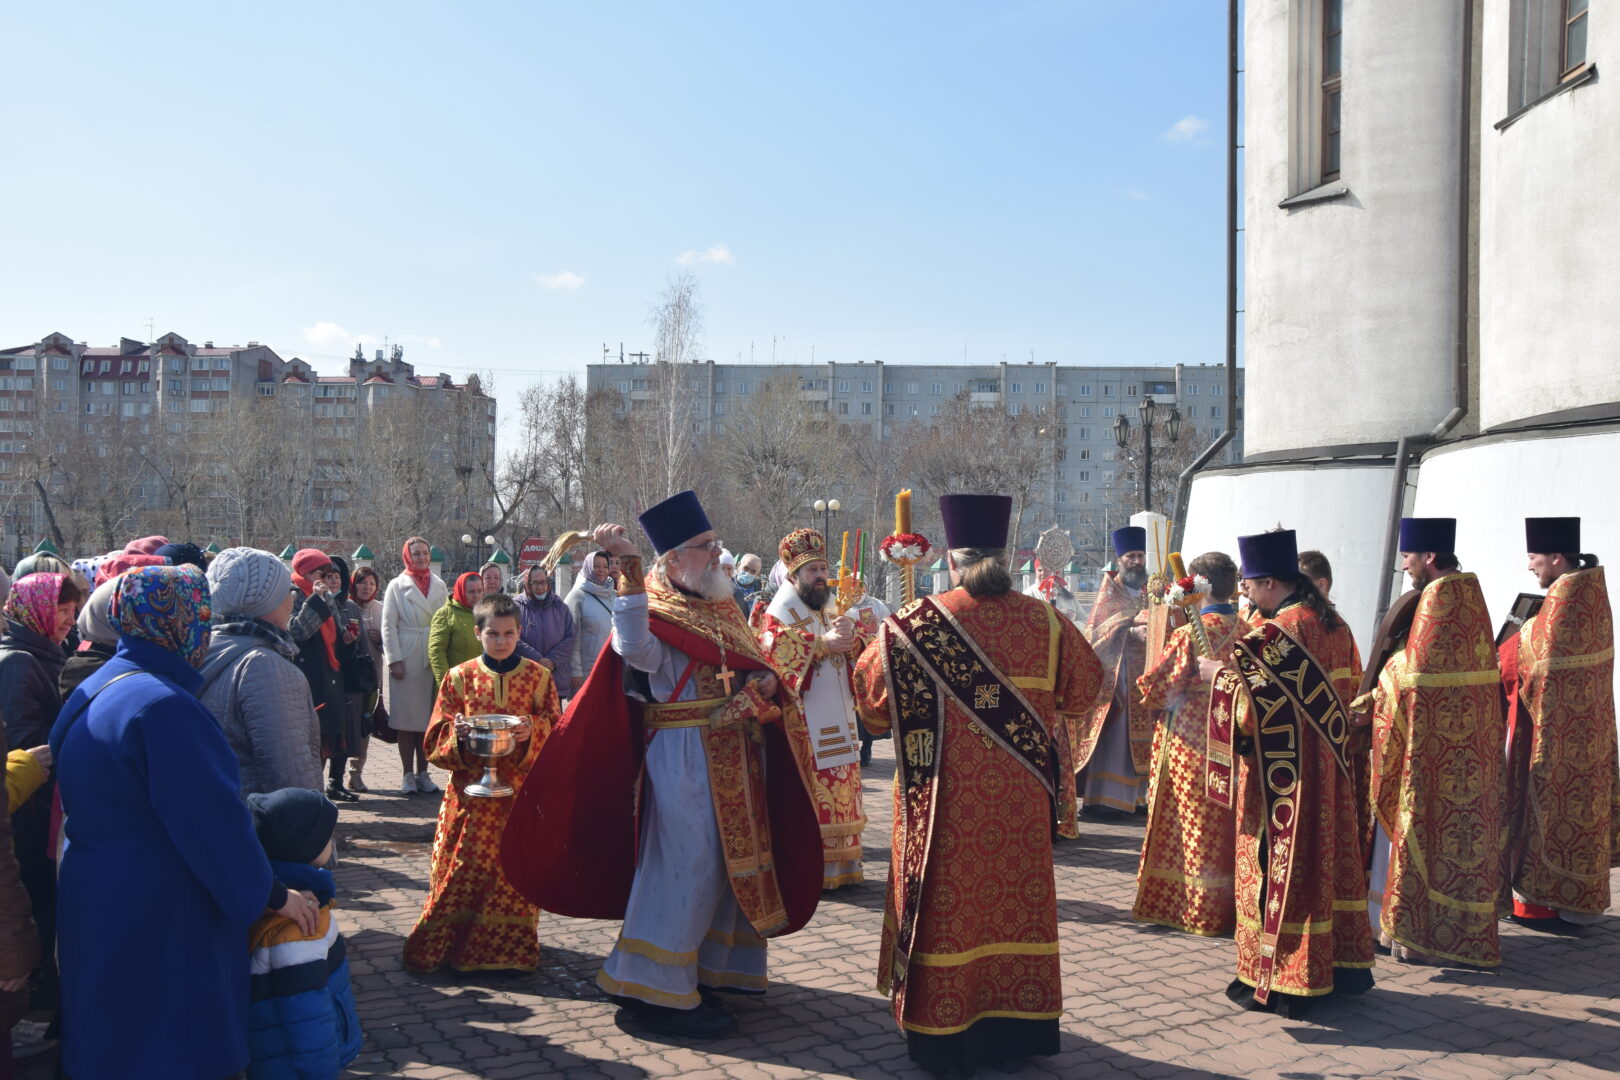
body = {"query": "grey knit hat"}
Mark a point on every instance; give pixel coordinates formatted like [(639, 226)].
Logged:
[(247, 582)]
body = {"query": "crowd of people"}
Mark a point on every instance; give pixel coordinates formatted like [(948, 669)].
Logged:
[(186, 725)]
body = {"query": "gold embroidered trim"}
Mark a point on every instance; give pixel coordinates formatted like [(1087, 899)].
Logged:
[(998, 948), (637, 947), (652, 996)]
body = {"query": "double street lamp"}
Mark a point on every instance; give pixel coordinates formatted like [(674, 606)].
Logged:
[(469, 539), (826, 508), (1122, 435)]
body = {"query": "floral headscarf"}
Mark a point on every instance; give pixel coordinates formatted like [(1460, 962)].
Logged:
[(33, 602), (167, 606)]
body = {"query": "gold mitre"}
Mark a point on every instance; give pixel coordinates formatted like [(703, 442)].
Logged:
[(801, 546)]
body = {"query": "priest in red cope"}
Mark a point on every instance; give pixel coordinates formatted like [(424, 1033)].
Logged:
[(668, 796), (978, 684)]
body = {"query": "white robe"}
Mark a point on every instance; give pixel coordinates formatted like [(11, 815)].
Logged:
[(406, 617), (682, 926)]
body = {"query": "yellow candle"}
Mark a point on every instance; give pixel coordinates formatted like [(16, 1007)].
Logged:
[(843, 556), (902, 511)]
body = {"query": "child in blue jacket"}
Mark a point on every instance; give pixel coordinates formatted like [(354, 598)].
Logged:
[(302, 1021)]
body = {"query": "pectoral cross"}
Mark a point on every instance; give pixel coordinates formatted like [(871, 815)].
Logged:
[(725, 674), (799, 623)]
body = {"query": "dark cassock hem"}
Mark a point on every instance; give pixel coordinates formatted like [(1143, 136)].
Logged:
[(990, 1041), (1346, 980)]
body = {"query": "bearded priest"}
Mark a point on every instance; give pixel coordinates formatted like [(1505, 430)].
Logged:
[(978, 685), (669, 796), (1114, 743), (813, 648)]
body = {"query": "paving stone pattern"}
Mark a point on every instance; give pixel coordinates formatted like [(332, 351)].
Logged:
[(1141, 1001)]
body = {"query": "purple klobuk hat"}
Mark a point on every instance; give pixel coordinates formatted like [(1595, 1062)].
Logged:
[(1552, 536), (1270, 554), (1130, 538), (1428, 534), (674, 521), (975, 521)]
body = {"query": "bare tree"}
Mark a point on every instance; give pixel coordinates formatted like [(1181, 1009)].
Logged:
[(1124, 491), (670, 425)]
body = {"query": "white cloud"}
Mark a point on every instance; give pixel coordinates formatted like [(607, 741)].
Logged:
[(567, 281), (330, 337), (1186, 129), (1134, 194), (714, 253)]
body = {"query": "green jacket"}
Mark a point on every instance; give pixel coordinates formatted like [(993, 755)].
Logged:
[(452, 639)]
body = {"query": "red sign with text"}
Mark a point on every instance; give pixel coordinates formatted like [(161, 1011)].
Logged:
[(533, 550)]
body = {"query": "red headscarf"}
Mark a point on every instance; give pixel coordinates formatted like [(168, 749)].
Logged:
[(423, 575), (118, 564), (306, 562), (460, 591)]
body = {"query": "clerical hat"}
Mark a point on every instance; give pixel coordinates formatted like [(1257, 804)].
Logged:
[(1130, 538), (1428, 534), (1552, 535), (975, 521), (1270, 554), (801, 546), (674, 521)]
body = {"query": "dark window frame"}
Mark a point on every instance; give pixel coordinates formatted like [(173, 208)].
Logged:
[(1566, 69), (1331, 102)]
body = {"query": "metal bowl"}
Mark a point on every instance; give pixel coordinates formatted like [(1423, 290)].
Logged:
[(491, 738)]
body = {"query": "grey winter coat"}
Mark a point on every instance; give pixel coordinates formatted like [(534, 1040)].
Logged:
[(591, 605), (262, 701)]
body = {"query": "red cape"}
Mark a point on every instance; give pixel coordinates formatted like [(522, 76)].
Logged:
[(570, 841)]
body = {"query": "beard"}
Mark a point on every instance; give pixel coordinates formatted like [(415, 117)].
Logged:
[(815, 596), (711, 584), (1133, 578)]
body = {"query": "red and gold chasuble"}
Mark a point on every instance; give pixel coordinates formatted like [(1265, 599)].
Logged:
[(1184, 879), (1123, 657), (1563, 784), (978, 692), (473, 919), (1437, 783), (1300, 870), (794, 648), (570, 845)]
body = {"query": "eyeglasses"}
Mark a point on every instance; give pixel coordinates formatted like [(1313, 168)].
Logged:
[(710, 546)]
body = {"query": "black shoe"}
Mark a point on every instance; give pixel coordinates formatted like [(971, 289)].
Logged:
[(704, 1022), (338, 793)]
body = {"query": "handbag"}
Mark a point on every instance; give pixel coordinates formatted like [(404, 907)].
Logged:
[(379, 723)]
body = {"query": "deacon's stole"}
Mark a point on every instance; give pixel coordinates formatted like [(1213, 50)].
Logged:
[(1299, 872), (977, 693), (1437, 786), (1563, 784), (1108, 629), (1184, 878)]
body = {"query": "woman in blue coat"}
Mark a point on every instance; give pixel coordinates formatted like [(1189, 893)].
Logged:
[(163, 875)]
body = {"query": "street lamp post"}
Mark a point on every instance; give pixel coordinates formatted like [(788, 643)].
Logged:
[(1122, 435), (826, 508), (478, 551)]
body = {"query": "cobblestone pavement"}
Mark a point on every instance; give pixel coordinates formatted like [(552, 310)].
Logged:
[(1141, 1001)]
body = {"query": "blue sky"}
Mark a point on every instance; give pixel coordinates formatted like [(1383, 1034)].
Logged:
[(506, 186)]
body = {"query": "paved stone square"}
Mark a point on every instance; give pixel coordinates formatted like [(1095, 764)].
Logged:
[(1141, 1001)]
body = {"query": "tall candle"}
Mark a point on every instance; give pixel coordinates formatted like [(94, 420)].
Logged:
[(902, 511), (843, 557)]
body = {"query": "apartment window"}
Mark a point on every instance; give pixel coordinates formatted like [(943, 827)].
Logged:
[(1014, 409), (866, 408), (1085, 496), (936, 388), (1214, 412), (129, 389), (1063, 453), (222, 383), (1108, 478), (1575, 27), (1192, 412), (1084, 476), (843, 386), (866, 386), (222, 363), (958, 389), (177, 406), (199, 404), (934, 411), (1108, 410), (719, 428), (199, 363), (888, 409), (1108, 391), (1085, 412), (1018, 388), (58, 384), (1130, 391), (719, 408), (1085, 454), (719, 386), (25, 404), (1085, 389), (911, 410), (127, 409), (742, 386), (1216, 390), (1062, 390), (89, 406), (1085, 433), (59, 363), (888, 388), (843, 408), (1040, 388), (106, 367), (144, 367), (1192, 391), (911, 388), (1063, 496), (624, 386), (129, 367), (1332, 56)]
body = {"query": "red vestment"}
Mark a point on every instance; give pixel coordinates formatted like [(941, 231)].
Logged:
[(972, 881), (1117, 611), (1184, 879), (1563, 784)]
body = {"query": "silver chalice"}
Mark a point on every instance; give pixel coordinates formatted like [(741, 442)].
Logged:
[(492, 737)]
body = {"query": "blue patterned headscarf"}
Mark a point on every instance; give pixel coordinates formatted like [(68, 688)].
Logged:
[(167, 606)]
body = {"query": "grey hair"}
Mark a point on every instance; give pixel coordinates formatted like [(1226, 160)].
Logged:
[(982, 571)]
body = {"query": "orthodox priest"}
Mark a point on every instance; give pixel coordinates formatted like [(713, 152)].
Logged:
[(1563, 784), (1437, 786), (1184, 879), (978, 685), (1113, 743), (1278, 714), (682, 724), (813, 648)]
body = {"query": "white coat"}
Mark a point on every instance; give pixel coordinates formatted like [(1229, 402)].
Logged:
[(406, 615)]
